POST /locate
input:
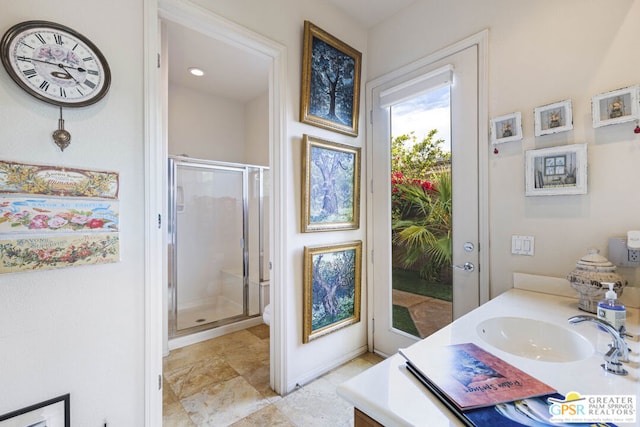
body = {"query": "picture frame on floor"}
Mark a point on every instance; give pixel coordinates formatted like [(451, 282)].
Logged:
[(50, 413), (330, 95), (555, 171), (616, 106), (332, 288), (331, 185), (553, 118)]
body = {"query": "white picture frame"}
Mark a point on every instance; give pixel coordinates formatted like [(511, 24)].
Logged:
[(553, 118), (560, 170), (616, 106), (506, 128)]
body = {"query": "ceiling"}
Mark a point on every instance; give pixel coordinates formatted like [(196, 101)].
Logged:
[(371, 12), (230, 72), (237, 74)]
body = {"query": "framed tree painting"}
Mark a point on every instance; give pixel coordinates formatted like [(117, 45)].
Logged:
[(330, 82), (331, 187), (331, 288)]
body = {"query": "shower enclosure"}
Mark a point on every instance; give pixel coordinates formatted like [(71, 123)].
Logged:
[(216, 243)]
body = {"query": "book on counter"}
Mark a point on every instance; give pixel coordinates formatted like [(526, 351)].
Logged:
[(470, 377)]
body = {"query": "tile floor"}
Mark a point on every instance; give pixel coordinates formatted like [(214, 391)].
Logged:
[(225, 382)]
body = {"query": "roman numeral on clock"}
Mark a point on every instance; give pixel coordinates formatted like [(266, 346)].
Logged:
[(44, 85), (39, 37), (91, 84), (29, 72)]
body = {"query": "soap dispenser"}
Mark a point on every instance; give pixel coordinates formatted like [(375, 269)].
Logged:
[(611, 309)]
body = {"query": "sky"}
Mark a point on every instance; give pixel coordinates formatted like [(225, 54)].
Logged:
[(422, 114)]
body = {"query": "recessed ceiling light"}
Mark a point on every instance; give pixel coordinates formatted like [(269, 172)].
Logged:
[(196, 72)]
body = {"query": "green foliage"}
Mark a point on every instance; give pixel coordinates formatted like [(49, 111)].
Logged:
[(415, 159), (333, 288), (421, 204)]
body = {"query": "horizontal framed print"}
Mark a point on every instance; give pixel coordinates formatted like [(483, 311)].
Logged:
[(556, 171), (506, 128), (331, 187), (51, 413), (553, 118), (331, 288), (330, 82), (617, 106)]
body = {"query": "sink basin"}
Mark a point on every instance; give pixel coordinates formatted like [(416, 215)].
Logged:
[(534, 339)]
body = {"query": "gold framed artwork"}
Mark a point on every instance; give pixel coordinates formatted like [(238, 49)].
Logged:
[(332, 284), (330, 82), (331, 185)]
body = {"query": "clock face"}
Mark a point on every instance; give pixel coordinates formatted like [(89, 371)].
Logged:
[(55, 64)]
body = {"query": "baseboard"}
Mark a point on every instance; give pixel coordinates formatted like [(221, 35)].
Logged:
[(197, 337), (316, 373)]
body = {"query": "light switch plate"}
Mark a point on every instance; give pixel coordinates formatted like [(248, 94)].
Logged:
[(522, 245)]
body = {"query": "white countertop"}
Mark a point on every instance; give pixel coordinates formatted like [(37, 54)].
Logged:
[(391, 395)]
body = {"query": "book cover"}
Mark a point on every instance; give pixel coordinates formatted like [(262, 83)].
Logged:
[(531, 412), (470, 377)]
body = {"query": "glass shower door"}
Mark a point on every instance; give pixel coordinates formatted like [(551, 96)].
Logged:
[(208, 246)]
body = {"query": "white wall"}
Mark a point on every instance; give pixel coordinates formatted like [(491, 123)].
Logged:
[(80, 330), (257, 131), (204, 126), (282, 21), (540, 52)]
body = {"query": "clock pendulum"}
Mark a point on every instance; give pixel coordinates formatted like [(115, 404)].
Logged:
[(61, 137)]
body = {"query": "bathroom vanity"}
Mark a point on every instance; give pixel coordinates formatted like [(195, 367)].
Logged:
[(565, 356)]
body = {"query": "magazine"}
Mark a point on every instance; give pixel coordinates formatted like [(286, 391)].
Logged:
[(470, 377)]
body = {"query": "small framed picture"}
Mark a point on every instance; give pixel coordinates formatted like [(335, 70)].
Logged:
[(331, 185), (617, 106), (331, 288), (506, 128), (553, 118), (50, 413), (330, 82), (556, 171)]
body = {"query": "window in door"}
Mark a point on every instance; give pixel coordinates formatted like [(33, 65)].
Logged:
[(421, 212)]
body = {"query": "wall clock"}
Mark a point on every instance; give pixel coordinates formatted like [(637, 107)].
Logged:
[(55, 64)]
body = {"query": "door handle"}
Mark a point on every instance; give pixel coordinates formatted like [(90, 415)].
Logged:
[(468, 266)]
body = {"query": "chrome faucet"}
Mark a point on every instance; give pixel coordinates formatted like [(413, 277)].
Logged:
[(619, 352)]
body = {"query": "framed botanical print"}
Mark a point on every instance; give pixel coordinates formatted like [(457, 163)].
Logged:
[(330, 82), (506, 128), (617, 106), (553, 118)]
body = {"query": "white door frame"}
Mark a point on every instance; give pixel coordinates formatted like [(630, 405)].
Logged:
[(481, 40), (155, 147)]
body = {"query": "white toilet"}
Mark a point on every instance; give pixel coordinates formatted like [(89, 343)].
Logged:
[(264, 299), (266, 314)]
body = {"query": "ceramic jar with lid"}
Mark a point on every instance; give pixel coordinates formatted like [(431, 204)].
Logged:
[(591, 270)]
